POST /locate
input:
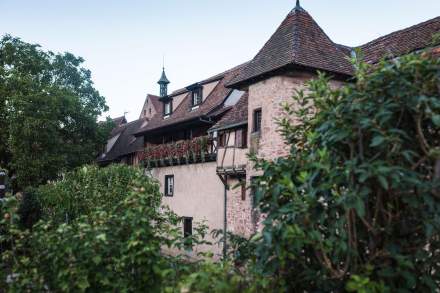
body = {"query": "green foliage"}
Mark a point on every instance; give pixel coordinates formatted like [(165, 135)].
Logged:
[(48, 112), (215, 278), (112, 241), (359, 194), (84, 189)]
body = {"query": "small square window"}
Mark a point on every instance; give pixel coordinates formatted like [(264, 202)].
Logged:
[(169, 185), (257, 120)]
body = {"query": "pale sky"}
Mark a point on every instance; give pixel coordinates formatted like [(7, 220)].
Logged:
[(123, 41)]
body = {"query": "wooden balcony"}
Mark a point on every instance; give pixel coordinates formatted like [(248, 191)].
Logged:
[(198, 150)]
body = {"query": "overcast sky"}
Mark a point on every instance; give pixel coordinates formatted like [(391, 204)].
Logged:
[(123, 41)]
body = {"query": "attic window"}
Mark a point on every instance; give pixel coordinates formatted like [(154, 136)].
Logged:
[(197, 96), (167, 108)]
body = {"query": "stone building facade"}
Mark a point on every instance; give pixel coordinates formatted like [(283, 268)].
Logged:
[(195, 140)]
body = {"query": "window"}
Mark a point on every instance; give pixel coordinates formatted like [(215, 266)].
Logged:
[(222, 139), (187, 232), (241, 138), (167, 108), (169, 185), (257, 120), (197, 96)]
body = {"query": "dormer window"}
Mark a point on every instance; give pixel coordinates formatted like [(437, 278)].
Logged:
[(168, 108), (197, 96)]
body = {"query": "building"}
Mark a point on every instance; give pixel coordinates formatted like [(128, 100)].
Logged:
[(195, 140)]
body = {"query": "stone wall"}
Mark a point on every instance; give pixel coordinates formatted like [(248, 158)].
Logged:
[(239, 209), (270, 95)]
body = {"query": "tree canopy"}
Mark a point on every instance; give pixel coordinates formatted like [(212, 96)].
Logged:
[(48, 112)]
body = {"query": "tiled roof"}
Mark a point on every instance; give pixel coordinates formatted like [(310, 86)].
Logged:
[(127, 143), (119, 120), (155, 101), (237, 115), (212, 103), (401, 42), (298, 41)]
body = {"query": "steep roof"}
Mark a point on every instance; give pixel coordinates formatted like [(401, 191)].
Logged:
[(163, 78), (119, 121), (402, 42), (212, 105), (127, 143), (298, 41), (236, 116), (155, 100)]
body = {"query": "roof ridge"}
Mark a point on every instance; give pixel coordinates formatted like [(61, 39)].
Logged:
[(300, 41), (437, 18)]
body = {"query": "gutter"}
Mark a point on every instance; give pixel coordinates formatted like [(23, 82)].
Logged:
[(227, 127), (209, 121)]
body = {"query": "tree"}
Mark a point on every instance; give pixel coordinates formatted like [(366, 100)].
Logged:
[(102, 230), (48, 112), (356, 204)]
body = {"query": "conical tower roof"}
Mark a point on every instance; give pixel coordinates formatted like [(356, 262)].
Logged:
[(163, 79), (298, 41)]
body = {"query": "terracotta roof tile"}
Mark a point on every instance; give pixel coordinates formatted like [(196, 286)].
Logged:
[(127, 143), (298, 41), (401, 42), (119, 120), (155, 101), (210, 105)]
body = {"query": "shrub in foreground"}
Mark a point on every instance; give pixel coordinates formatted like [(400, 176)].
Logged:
[(112, 242), (356, 204)]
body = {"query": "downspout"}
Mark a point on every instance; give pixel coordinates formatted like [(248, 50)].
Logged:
[(225, 217)]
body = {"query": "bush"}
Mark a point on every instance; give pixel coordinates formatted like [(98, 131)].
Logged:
[(112, 241), (356, 204), (84, 189)]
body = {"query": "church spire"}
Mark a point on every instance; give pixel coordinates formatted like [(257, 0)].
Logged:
[(163, 82)]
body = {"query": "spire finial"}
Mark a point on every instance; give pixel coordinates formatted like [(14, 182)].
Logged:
[(297, 7), (163, 82)]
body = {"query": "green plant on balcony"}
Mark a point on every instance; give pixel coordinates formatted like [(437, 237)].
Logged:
[(180, 152)]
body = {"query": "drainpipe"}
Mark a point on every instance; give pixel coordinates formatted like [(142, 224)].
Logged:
[(225, 215)]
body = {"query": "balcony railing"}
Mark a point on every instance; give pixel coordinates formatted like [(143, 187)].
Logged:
[(198, 150)]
